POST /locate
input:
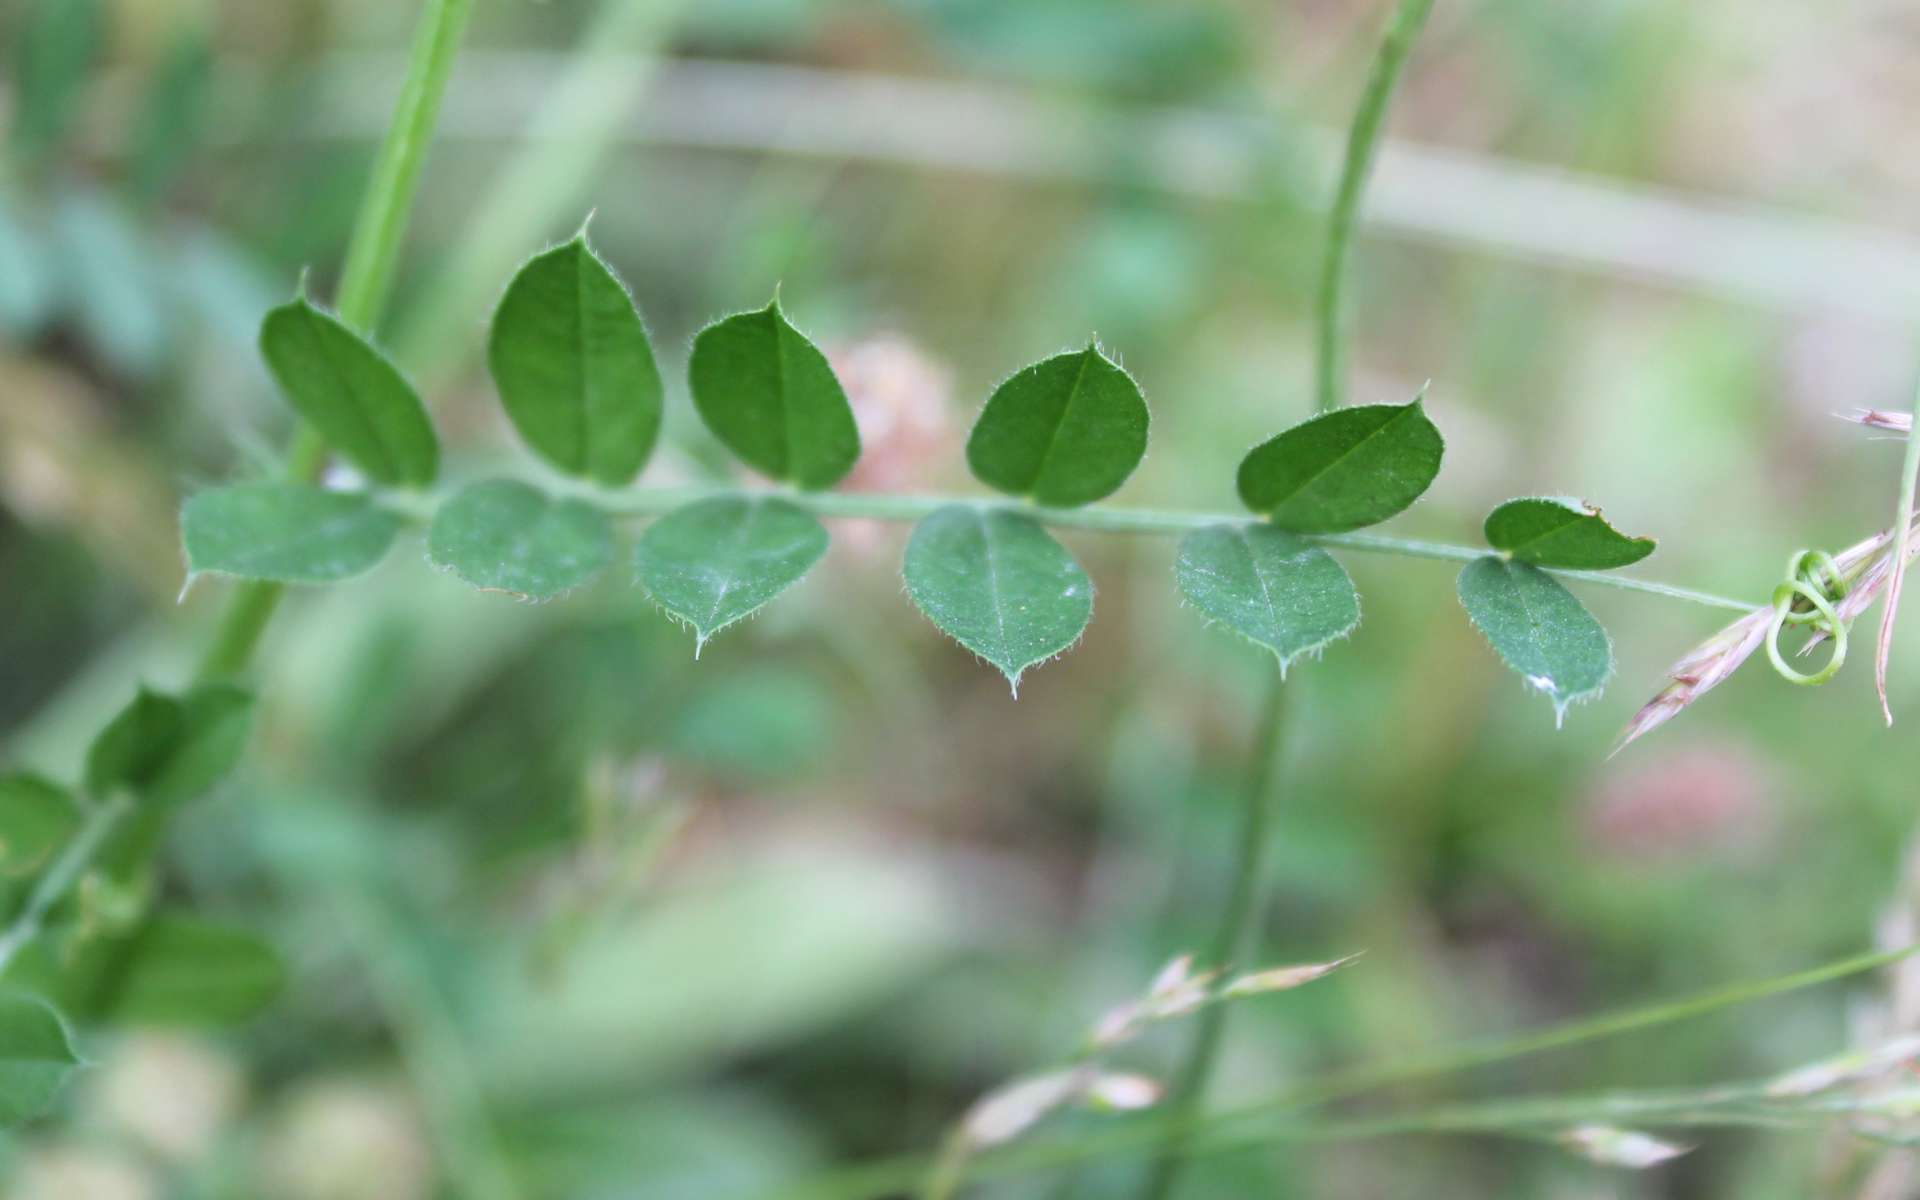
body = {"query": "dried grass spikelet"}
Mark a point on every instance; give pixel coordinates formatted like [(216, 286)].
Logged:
[(1705, 666), (1615, 1147), (1699, 672), (1876, 418)]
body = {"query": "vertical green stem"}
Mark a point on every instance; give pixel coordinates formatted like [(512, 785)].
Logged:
[(1258, 800), (1363, 140), (365, 283)]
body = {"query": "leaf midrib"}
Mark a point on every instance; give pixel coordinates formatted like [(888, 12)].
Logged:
[(1343, 456), (1053, 435), (313, 323)]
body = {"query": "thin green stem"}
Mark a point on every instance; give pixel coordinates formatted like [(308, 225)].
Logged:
[(59, 878), (1363, 139), (1229, 1130), (388, 205), (886, 506), (1257, 801), (364, 284)]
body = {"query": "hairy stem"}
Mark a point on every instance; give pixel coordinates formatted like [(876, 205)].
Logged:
[(1362, 140), (1258, 799), (893, 506), (364, 284)]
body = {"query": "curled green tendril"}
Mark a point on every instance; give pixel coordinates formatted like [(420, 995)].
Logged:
[(1815, 578)]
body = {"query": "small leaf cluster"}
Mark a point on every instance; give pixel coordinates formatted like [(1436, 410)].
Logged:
[(577, 377), (110, 952)]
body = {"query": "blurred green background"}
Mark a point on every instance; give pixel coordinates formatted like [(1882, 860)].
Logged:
[(565, 906)]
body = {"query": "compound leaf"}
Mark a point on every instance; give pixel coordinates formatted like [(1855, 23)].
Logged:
[(1538, 628), (1269, 586), (36, 1056), (509, 537), (576, 374), (286, 532), (1343, 470), (1553, 531), (714, 562), (998, 584), (1065, 431), (770, 396), (170, 749), (351, 393)]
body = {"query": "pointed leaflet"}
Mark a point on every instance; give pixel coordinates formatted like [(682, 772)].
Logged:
[(36, 1057), (998, 584), (37, 816), (1268, 586), (1552, 531), (170, 970), (570, 357), (713, 562), (285, 532), (170, 749), (1538, 629), (1343, 470), (770, 396), (508, 537), (1066, 431), (348, 391)]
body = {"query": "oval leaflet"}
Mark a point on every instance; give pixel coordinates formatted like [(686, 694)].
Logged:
[(576, 374), (1066, 431), (1346, 469), (771, 397), (997, 583)]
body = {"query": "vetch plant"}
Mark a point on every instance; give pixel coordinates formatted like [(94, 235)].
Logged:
[(93, 939)]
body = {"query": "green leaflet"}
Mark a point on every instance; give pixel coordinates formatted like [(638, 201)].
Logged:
[(1066, 431), (170, 749), (1343, 470), (1552, 531), (1539, 629), (287, 532), (170, 970), (769, 395), (570, 356), (348, 391), (1268, 586), (715, 561), (998, 584), (36, 1057), (37, 816), (508, 537)]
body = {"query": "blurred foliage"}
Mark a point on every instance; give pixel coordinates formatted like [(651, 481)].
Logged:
[(692, 930)]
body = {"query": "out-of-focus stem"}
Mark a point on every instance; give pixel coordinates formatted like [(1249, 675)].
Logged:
[(1363, 139), (1258, 799)]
